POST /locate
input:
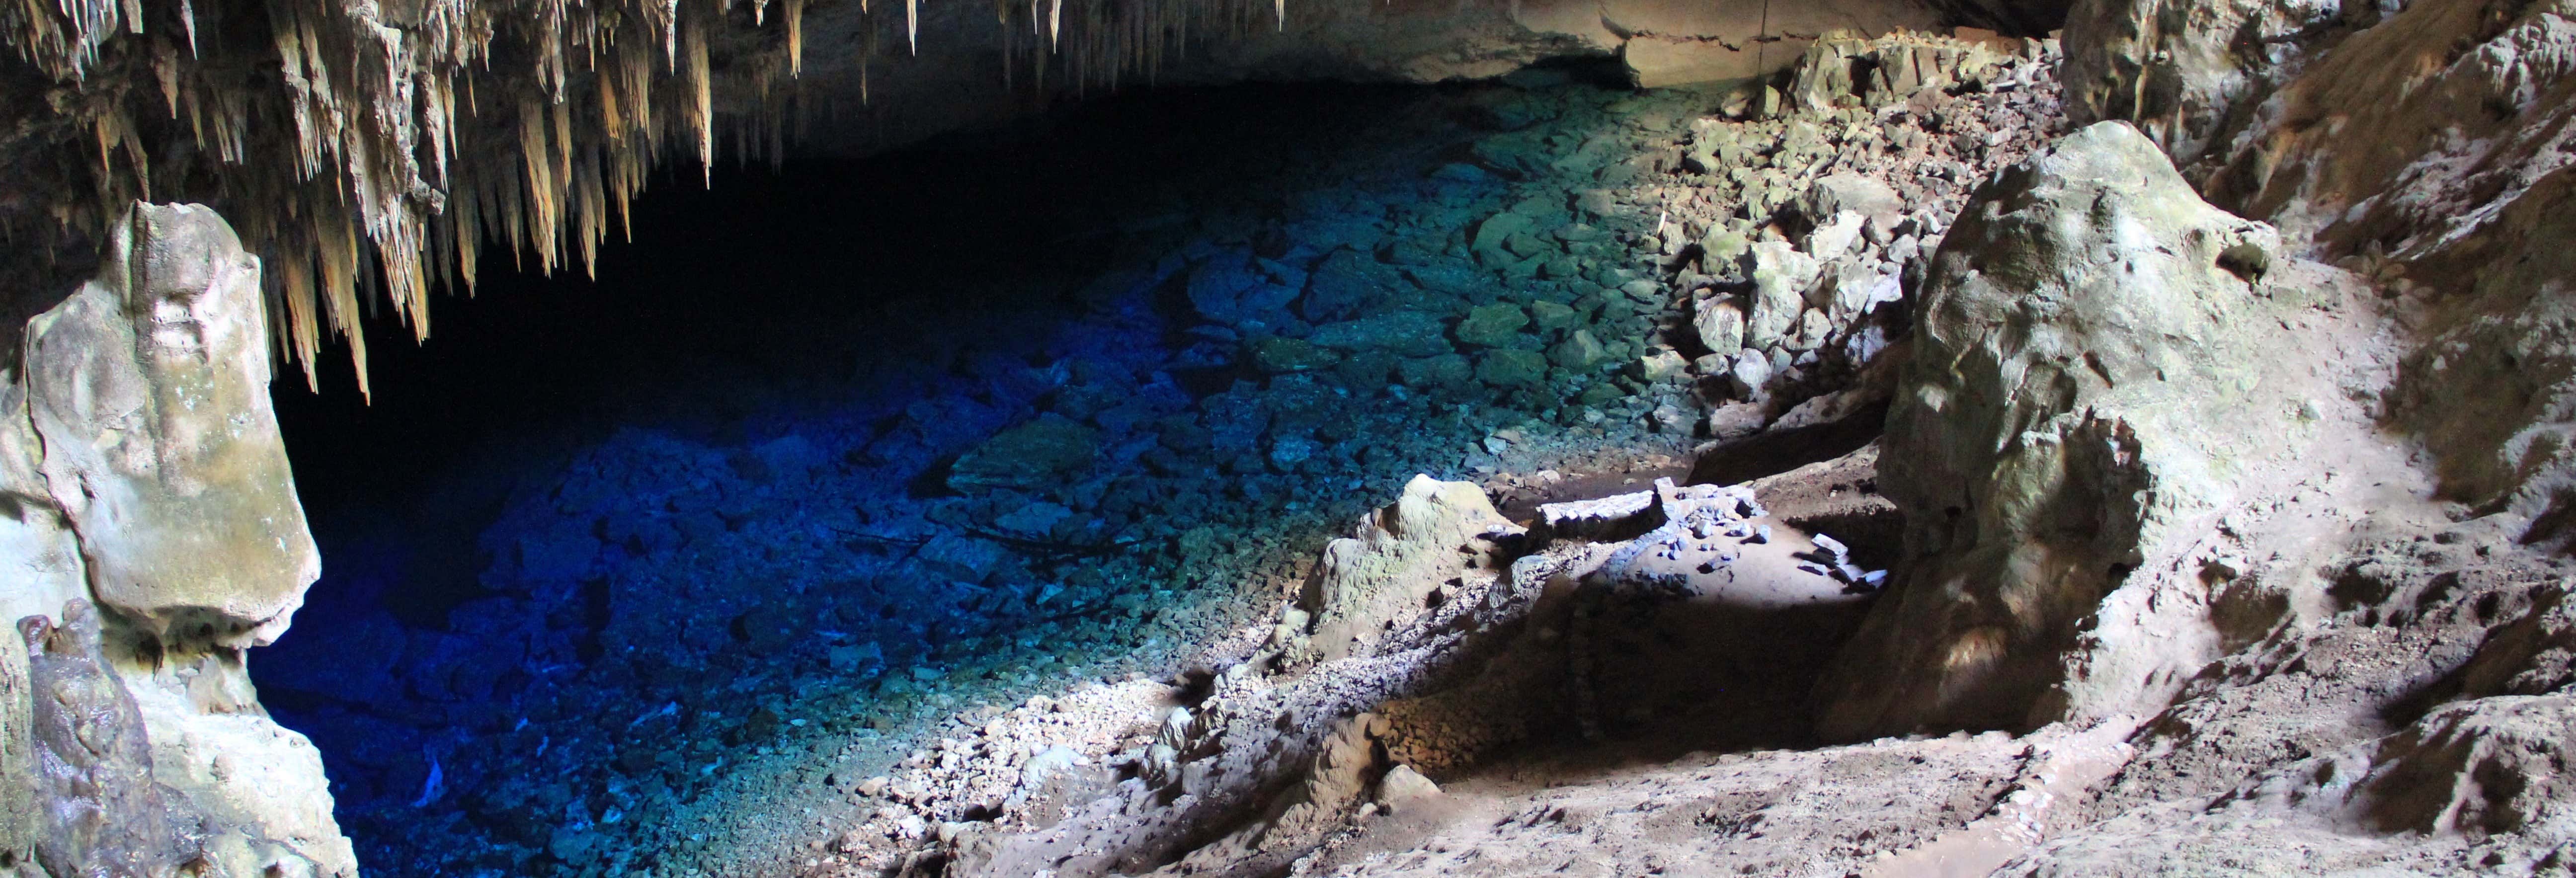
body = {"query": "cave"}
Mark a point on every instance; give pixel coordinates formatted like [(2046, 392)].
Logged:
[(708, 514), (1322, 437)]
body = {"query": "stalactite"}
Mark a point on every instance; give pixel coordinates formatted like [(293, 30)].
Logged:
[(702, 102), (363, 175), (796, 38)]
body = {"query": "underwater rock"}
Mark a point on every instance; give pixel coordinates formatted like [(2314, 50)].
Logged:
[(1511, 368), (1491, 326), (1277, 354), (1348, 282), (1402, 333), (1032, 454), (1231, 289)]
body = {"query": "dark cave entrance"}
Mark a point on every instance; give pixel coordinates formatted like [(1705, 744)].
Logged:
[(837, 445)]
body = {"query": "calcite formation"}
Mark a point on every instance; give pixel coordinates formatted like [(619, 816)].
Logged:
[(2242, 528), (168, 540)]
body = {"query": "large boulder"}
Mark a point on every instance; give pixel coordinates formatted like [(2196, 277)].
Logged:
[(149, 388), (2096, 370)]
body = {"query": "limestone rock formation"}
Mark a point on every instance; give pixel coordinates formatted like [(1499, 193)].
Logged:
[(2459, 198), (100, 811), (150, 390), (2188, 74), (159, 493), (1378, 577), (1878, 70), (1668, 43), (2089, 383)]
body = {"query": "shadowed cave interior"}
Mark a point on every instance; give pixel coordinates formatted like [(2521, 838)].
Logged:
[(599, 542), (1852, 438)]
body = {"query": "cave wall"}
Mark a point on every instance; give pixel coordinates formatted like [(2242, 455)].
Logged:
[(156, 536), (2070, 558)]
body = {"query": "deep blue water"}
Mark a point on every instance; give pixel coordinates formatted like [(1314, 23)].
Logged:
[(830, 435)]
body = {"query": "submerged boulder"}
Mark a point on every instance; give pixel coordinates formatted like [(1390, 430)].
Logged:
[(1032, 454)]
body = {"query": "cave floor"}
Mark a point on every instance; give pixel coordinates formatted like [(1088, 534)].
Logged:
[(1075, 411)]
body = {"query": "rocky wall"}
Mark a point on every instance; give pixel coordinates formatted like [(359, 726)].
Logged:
[(155, 535)]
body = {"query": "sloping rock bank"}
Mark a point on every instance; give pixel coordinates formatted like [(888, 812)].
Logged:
[(2167, 543)]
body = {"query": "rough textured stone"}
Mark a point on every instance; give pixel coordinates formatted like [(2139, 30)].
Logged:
[(1512, 368), (1402, 333), (1848, 67), (1720, 323), (1277, 355), (1674, 43), (102, 813), (160, 473), (2084, 384), (150, 388), (2461, 196), (1382, 573), (1867, 196), (1491, 325), (1781, 276), (2184, 71)]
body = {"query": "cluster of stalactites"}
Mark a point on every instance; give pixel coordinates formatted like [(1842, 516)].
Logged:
[(394, 127)]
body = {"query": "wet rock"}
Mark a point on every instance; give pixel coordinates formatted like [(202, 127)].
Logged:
[(1579, 351), (1512, 368), (1492, 325), (1551, 316), (1232, 289), (1401, 333), (1446, 370), (1033, 454), (1277, 355), (1494, 233), (1347, 283)]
